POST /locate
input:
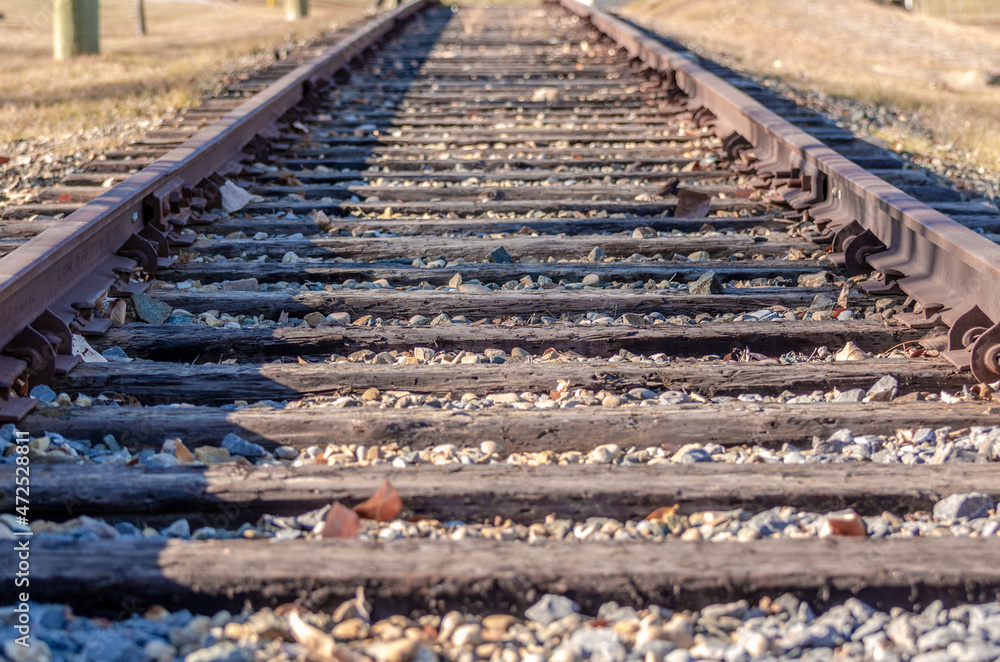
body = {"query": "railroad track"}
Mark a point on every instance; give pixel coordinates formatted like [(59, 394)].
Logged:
[(559, 312)]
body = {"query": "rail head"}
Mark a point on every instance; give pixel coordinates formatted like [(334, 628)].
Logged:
[(50, 286), (952, 271)]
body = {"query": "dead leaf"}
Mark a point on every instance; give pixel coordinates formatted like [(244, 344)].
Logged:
[(182, 453), (692, 204), (317, 642), (386, 214), (4, 160), (842, 298), (669, 188), (288, 179), (850, 352), (341, 522), (562, 387), (302, 361), (322, 221), (849, 524), (65, 197), (234, 198), (383, 506), (118, 312), (661, 514)]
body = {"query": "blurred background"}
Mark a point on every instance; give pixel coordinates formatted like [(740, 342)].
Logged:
[(924, 81)]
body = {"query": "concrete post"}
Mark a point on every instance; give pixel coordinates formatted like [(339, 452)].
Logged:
[(296, 9), (76, 28)]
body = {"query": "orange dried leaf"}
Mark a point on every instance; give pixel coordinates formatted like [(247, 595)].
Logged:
[(845, 525), (384, 505), (4, 160), (117, 312), (341, 522), (182, 453), (65, 197), (661, 514)]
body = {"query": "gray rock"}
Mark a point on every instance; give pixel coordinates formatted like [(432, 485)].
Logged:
[(853, 395), (765, 524), (243, 285), (550, 608), (815, 280), (971, 505), (498, 255), (902, 634), (633, 319), (694, 456), (988, 444), (238, 446), (597, 644), (659, 648), (883, 390), (149, 309), (43, 393), (872, 625), (108, 646), (835, 444), (822, 302), (943, 453), (939, 638), (933, 656), (612, 612), (179, 529), (973, 651), (591, 280), (596, 255), (731, 609), (225, 651), (8, 432), (116, 355), (707, 284), (788, 603)]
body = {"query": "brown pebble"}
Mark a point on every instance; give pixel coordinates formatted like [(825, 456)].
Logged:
[(400, 650), (352, 628), (500, 622), (371, 394)]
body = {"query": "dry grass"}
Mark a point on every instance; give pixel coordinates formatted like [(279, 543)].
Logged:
[(190, 44), (971, 12), (940, 70)]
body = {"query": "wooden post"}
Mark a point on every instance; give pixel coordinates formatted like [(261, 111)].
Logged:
[(75, 28), (140, 9), (296, 9)]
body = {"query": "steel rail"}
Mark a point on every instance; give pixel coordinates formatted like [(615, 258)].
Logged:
[(953, 272), (53, 280)]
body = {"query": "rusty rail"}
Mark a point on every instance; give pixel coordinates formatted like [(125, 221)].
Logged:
[(953, 272), (50, 287)]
